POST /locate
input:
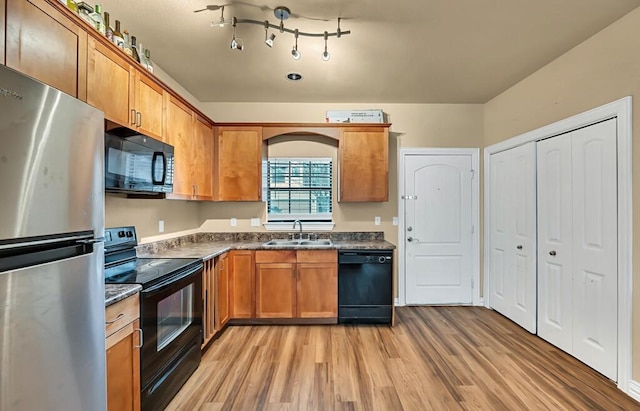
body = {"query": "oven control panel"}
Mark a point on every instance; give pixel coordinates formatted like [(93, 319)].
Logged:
[(117, 237)]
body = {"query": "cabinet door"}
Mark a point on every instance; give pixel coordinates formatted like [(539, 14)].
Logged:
[(123, 369), (243, 300), (42, 43), (148, 103), (208, 299), (364, 164), (317, 290), (275, 290), (108, 84), (222, 291), (238, 164), (180, 136), (203, 159)]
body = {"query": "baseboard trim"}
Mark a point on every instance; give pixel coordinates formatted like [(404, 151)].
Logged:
[(634, 390)]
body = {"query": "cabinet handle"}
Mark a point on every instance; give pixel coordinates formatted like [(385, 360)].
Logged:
[(118, 318), (139, 330), (139, 119), (519, 247), (133, 116), (552, 253)]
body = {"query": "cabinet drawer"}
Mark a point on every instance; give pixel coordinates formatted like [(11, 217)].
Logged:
[(279, 256), (122, 313), (317, 256)]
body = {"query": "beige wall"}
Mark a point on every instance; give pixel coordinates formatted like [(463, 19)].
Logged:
[(604, 68)]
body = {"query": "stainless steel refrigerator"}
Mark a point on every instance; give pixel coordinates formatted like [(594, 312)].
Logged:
[(52, 336)]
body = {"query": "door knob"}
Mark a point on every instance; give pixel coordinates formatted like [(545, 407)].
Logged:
[(412, 239), (552, 253), (409, 228), (519, 247)]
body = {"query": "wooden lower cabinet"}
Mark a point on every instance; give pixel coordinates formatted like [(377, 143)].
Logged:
[(317, 290), (208, 301), (222, 312), (123, 357), (275, 290), (297, 284), (243, 293)]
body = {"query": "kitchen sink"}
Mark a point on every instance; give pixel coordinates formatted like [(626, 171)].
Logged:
[(298, 243)]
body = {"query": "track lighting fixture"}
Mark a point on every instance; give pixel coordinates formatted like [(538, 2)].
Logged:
[(326, 56), (295, 53), (282, 14)]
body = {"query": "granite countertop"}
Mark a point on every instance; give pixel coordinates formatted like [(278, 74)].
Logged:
[(117, 292), (209, 245)]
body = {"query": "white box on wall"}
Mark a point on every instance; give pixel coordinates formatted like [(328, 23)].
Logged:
[(355, 116)]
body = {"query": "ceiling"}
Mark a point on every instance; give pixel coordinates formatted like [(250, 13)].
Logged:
[(405, 51)]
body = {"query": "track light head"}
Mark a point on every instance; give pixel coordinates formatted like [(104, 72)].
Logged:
[(269, 40), (326, 56), (296, 54)]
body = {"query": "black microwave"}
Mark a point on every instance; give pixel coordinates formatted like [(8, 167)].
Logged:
[(136, 164)]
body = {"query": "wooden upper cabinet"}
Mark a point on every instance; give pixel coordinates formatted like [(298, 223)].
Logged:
[(44, 44), (242, 280), (364, 164), (202, 150), (108, 83), (147, 105), (239, 153), (179, 134)]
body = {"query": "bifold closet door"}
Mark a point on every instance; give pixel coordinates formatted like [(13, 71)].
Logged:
[(577, 244), (513, 235)]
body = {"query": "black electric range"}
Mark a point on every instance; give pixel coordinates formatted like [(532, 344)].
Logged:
[(123, 267), (170, 314)]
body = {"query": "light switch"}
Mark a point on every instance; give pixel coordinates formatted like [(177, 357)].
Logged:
[(161, 226), (395, 220), (234, 222), (376, 220)]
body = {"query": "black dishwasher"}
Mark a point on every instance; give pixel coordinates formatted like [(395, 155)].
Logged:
[(365, 286)]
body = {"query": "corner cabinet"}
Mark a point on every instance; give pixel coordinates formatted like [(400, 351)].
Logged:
[(123, 354), (41, 42), (363, 161), (239, 153)]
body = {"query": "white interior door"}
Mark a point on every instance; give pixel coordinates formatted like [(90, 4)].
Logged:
[(512, 265), (555, 282), (500, 233), (595, 247), (577, 244), (439, 229)]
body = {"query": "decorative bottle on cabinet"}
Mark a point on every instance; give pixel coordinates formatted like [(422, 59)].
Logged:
[(118, 38), (96, 16)]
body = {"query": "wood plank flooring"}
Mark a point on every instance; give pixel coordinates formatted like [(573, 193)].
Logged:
[(435, 358)]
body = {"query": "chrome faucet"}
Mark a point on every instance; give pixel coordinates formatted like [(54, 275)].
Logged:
[(294, 227)]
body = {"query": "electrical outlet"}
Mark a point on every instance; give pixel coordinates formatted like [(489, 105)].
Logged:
[(376, 220), (395, 220), (234, 222), (255, 222), (161, 226)]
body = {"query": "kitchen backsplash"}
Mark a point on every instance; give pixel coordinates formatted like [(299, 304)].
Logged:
[(158, 246)]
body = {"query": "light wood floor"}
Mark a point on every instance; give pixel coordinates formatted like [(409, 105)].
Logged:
[(435, 358)]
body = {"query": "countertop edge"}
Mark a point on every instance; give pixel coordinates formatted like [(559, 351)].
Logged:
[(118, 292)]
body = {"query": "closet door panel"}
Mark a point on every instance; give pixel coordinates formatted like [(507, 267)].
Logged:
[(523, 247), (555, 241), (595, 247), (500, 232)]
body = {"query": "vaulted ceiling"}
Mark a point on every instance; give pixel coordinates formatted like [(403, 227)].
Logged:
[(401, 51)]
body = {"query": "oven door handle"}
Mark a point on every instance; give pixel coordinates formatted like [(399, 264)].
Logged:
[(172, 280)]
